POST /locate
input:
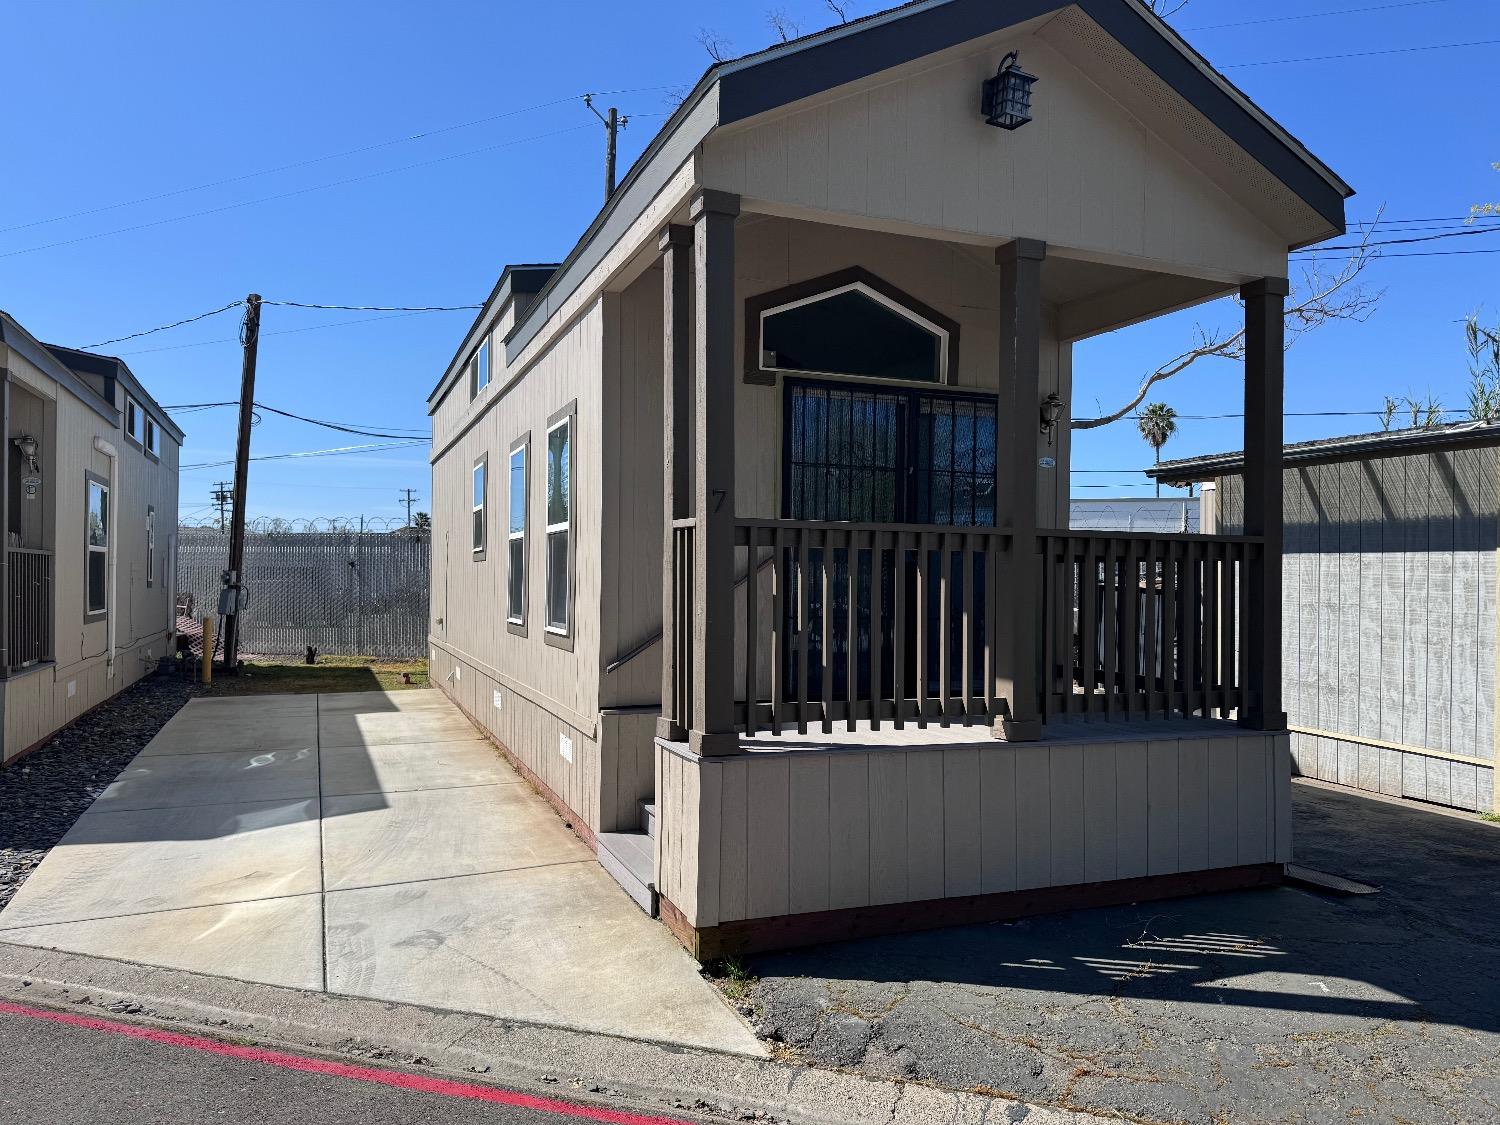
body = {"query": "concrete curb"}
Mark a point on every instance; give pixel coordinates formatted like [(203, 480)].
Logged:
[(605, 1069)]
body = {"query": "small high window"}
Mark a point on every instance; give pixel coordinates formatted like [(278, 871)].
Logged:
[(480, 471), (559, 525), (479, 369), (854, 329), (515, 612), (151, 436), (96, 538), (132, 420)]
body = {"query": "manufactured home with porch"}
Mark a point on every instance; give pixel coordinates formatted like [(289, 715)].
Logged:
[(89, 480), (751, 538)]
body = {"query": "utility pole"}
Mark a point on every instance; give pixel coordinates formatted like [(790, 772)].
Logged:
[(613, 123), (409, 499), (221, 496), (231, 602)]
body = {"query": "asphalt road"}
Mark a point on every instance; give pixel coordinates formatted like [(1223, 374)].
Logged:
[(60, 1074)]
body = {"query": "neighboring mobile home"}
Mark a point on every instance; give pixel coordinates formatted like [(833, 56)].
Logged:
[(1389, 605), (753, 511), (90, 486)]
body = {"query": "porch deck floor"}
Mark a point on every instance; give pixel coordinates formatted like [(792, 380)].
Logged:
[(1065, 730)]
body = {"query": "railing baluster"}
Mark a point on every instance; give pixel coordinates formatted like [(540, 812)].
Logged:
[(1090, 593), (877, 628), (1192, 597), (1175, 612), (803, 628), (752, 627), (1226, 631), (825, 646), (1110, 610), (1151, 614), (966, 595), (1246, 551), (1130, 593), (898, 631), (780, 642), (945, 625), (1048, 682), (923, 595), (851, 653)]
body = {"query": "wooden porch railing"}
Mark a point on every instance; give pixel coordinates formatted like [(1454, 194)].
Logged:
[(1144, 625), (880, 622), (30, 604)]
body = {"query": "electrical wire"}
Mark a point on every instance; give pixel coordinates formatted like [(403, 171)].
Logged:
[(338, 425), (376, 308), (335, 452), (164, 327), (1413, 254), (1362, 54), (1316, 15), (1399, 241)]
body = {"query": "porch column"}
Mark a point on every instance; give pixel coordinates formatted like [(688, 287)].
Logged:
[(1265, 364), (713, 732), (676, 245), (1016, 588)]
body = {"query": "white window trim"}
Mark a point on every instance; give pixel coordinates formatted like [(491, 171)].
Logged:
[(133, 431), (484, 357), (152, 435), (566, 629), (879, 298), (94, 548), (523, 447), (150, 547), (481, 466)]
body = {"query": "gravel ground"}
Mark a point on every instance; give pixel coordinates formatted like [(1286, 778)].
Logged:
[(1276, 1005), (42, 794)]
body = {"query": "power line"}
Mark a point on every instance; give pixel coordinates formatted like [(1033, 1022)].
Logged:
[(332, 425), (1415, 254), (1362, 54), (276, 332), (335, 452), (1400, 241), (377, 308), (1317, 15), (291, 194), (164, 327)]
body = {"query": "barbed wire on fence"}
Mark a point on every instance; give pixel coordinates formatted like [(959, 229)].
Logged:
[(275, 525)]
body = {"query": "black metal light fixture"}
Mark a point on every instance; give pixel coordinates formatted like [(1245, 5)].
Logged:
[(1007, 96), (28, 446), (1052, 408)]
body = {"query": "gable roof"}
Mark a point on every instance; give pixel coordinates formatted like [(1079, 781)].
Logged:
[(1348, 447), (822, 61)]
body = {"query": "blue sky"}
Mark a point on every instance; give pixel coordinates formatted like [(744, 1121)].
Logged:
[(115, 102)]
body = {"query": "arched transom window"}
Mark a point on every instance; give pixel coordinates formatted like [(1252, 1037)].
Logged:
[(857, 327)]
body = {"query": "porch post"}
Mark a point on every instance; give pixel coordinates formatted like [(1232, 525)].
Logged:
[(676, 245), (1016, 588), (713, 732), (1265, 363)]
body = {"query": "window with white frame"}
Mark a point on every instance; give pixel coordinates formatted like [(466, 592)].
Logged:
[(150, 546), (151, 436), (480, 488), (133, 420), (560, 525), (96, 538), (515, 612), (479, 369)]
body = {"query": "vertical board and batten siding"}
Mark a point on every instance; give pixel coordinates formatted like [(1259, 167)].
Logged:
[(42, 699), (764, 835), (908, 148), (960, 282), (1389, 622), (546, 691)]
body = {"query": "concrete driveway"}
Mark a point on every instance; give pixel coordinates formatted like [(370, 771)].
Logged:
[(367, 844)]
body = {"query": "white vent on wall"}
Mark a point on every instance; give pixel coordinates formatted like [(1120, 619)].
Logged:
[(499, 701), (565, 747)]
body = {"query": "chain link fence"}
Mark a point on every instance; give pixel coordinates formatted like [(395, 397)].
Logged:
[(344, 589)]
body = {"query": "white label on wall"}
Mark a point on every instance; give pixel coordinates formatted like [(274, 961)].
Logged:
[(72, 688), (565, 747), (499, 701)]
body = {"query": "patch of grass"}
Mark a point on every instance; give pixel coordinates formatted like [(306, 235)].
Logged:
[(268, 675), (1490, 818), (732, 976)]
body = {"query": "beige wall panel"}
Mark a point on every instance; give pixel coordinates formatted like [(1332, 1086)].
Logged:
[(1033, 817), (997, 831), (1162, 808), (767, 789), (1100, 817), (810, 838), (849, 831), (888, 855), (925, 816), (1192, 804), (925, 158), (1066, 814), (1132, 810), (1256, 813), (962, 844), (734, 843), (1223, 804)]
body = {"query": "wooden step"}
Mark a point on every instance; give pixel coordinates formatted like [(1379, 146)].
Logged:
[(648, 818), (630, 859)]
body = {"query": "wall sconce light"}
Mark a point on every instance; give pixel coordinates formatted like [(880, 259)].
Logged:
[(1006, 103), (1052, 408), (28, 447)]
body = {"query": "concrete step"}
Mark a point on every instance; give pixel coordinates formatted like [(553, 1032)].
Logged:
[(630, 859), (648, 818)]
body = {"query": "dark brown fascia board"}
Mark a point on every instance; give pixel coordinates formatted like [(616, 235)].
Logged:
[(119, 370), (803, 68), (516, 279), (1358, 448), (41, 357)]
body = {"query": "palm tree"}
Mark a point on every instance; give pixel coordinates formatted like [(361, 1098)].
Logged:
[(1157, 423)]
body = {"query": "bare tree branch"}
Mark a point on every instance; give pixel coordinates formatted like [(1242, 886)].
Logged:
[(842, 9), (1164, 9), (1320, 298), (785, 28), (718, 47)]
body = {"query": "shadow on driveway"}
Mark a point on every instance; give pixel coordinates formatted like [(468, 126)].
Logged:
[(1271, 1005)]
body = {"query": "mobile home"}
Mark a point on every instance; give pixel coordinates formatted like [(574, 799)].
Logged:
[(750, 524), (90, 486)]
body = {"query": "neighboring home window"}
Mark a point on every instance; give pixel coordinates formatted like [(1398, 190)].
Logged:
[(479, 369), (151, 436), (852, 325), (132, 420), (150, 546), (96, 533), (560, 523), (480, 471), (515, 612)]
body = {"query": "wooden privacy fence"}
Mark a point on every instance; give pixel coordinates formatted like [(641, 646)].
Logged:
[(845, 622), (351, 592), (1141, 625)]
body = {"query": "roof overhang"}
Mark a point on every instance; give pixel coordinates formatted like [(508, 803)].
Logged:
[(744, 88), (515, 281), (112, 367)]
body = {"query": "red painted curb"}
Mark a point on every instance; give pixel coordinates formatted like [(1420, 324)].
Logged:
[(441, 1087)]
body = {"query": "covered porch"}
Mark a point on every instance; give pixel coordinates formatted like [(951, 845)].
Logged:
[(967, 711)]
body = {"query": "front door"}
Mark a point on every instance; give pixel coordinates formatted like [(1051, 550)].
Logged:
[(880, 455)]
